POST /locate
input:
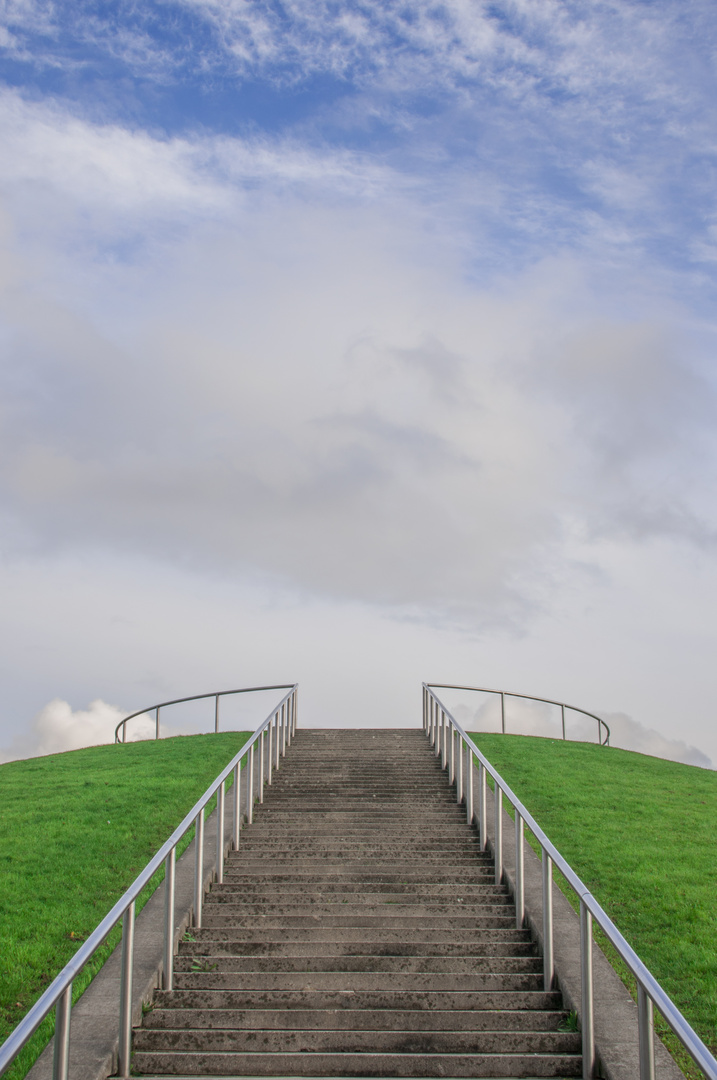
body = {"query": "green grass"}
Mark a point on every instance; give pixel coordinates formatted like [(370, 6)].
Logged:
[(75, 830), (640, 832)]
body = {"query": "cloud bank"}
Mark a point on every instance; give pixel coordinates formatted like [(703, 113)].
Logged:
[(57, 728)]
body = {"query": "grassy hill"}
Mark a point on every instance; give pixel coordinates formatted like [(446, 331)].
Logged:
[(75, 830), (640, 832)]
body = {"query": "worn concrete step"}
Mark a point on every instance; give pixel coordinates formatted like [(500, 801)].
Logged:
[(354, 980), (396, 964), (354, 1065), (391, 1000), (234, 947), (344, 1041), (226, 905), (378, 891), (497, 917), (475, 875), (357, 1019), (377, 934)]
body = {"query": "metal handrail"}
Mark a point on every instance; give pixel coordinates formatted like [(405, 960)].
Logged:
[(437, 720), (272, 738), (195, 697), (532, 697)]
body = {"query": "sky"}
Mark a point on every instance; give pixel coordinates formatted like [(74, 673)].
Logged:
[(358, 344)]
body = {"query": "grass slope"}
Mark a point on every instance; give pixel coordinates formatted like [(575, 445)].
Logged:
[(640, 832), (75, 830)]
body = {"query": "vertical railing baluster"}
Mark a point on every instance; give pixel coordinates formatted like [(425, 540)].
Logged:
[(220, 834), (261, 767), (250, 785), (283, 730), (198, 868), (269, 751), (437, 730), (169, 882), (548, 966), (519, 871), (646, 1030), (461, 755), (469, 787), (237, 805), (444, 745), (61, 1055), (586, 972), (452, 754), (125, 1026), (498, 850), (277, 740), (483, 806)]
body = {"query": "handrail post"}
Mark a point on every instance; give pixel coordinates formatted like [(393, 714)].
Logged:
[(548, 966), (156, 735), (483, 806), (277, 742), (269, 750), (646, 1033), (237, 804), (216, 714), (61, 1056), (169, 880), (469, 786), (502, 712), (498, 847), (444, 744), (461, 755), (283, 730), (432, 721), (262, 755), (220, 833), (198, 868), (250, 785), (288, 724), (586, 970), (452, 754), (125, 1027), (437, 731), (519, 871)]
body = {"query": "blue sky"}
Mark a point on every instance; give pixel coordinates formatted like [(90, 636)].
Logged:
[(393, 319)]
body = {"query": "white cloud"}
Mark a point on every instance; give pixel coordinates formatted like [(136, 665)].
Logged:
[(57, 727)]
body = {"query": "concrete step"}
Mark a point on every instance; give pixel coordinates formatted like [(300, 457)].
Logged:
[(313, 1041), (347, 981), (357, 1019), (396, 964), (532, 1066), (392, 1000), (218, 947)]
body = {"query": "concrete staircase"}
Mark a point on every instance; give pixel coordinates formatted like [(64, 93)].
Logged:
[(358, 932)]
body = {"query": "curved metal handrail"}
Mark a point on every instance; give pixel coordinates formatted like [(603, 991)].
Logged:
[(216, 694), (275, 732), (531, 697), (649, 990)]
